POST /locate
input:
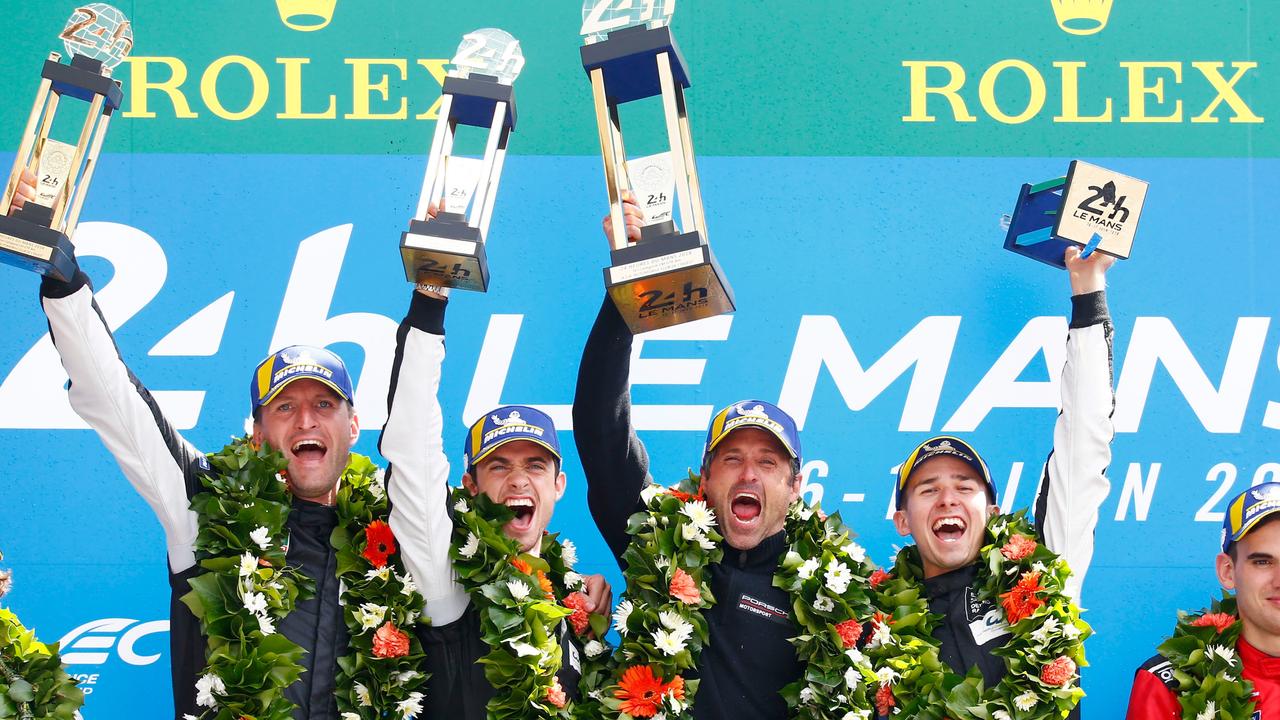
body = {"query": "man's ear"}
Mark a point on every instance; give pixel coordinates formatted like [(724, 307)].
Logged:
[(797, 482), (355, 429), (561, 481), (256, 438), (900, 523), (469, 483), (1226, 568)]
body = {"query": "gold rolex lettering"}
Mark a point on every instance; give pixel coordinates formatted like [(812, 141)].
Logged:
[(293, 93), (921, 90), (363, 87), (1069, 72), (1226, 90), (987, 91), (1139, 90), (209, 87), (140, 84)]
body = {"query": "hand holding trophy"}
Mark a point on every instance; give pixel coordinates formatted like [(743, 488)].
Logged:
[(670, 276), (38, 236), (447, 250)]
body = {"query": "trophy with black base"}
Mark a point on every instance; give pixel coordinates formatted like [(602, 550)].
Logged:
[(670, 276), (1092, 207), (448, 250), (38, 236)]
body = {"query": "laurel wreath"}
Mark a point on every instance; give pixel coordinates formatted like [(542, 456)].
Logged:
[(825, 573), (1206, 666), (246, 587), (1042, 656), (33, 681), (523, 600)]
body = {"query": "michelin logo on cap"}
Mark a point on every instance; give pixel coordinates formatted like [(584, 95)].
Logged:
[(511, 423)]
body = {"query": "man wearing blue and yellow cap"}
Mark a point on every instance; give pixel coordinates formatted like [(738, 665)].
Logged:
[(750, 475), (1249, 565), (945, 495)]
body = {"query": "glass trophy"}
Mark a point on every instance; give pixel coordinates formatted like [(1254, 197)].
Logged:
[(37, 237), (449, 249), (670, 276), (1092, 207)]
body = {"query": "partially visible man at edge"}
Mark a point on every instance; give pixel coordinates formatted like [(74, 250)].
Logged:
[(1249, 565)]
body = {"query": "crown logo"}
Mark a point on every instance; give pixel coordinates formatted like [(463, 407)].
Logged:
[(1081, 17), (512, 419), (306, 15), (757, 411)]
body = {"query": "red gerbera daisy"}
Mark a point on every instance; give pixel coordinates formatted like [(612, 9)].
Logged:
[(379, 543), (639, 691), (1021, 602), (1221, 621)]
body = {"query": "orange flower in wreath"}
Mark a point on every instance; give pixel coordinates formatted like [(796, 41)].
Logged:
[(522, 566), (640, 691), (1021, 602), (1221, 621), (684, 589), (379, 543), (390, 642), (545, 583)]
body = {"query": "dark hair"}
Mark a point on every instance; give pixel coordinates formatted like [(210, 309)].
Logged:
[(1231, 549)]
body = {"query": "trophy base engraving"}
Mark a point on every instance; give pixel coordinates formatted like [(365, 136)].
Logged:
[(445, 251), (31, 246), (667, 281)]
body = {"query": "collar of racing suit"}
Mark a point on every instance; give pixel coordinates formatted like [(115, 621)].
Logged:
[(1254, 658), (951, 581), (762, 557)]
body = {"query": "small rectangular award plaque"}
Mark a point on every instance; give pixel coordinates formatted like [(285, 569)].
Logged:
[(1091, 207)]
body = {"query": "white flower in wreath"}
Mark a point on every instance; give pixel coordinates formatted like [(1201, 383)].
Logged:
[(649, 492), (806, 570), (410, 617), (347, 716), (663, 562), (593, 648), (519, 591), (523, 649), (855, 656), (569, 553), (1209, 712), (1223, 652), (410, 707), (378, 488), (255, 603), (266, 626), (700, 516), (207, 686), (705, 543), (262, 536), (462, 506), (886, 675), (1025, 701), (469, 548), (409, 586), (837, 576), (852, 677), (855, 552), (407, 676), (880, 635), (1000, 715), (282, 479), (248, 564), (680, 628), (1039, 567), (801, 511), (383, 573), (857, 715), (574, 581), (1041, 634), (806, 695), (822, 603), (668, 642), (370, 615), (1070, 631), (620, 615), (690, 532), (362, 695)]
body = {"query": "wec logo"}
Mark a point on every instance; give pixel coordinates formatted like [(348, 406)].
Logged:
[(92, 642)]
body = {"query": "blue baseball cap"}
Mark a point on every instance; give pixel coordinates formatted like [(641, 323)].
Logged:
[(507, 424), (943, 445), (758, 414), (298, 362), (1247, 510)]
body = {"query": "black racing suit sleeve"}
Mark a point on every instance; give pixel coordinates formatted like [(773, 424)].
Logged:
[(614, 461)]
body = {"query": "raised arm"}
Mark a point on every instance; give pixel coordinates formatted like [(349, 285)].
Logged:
[(614, 460), (162, 467), (418, 472), (1074, 482)]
